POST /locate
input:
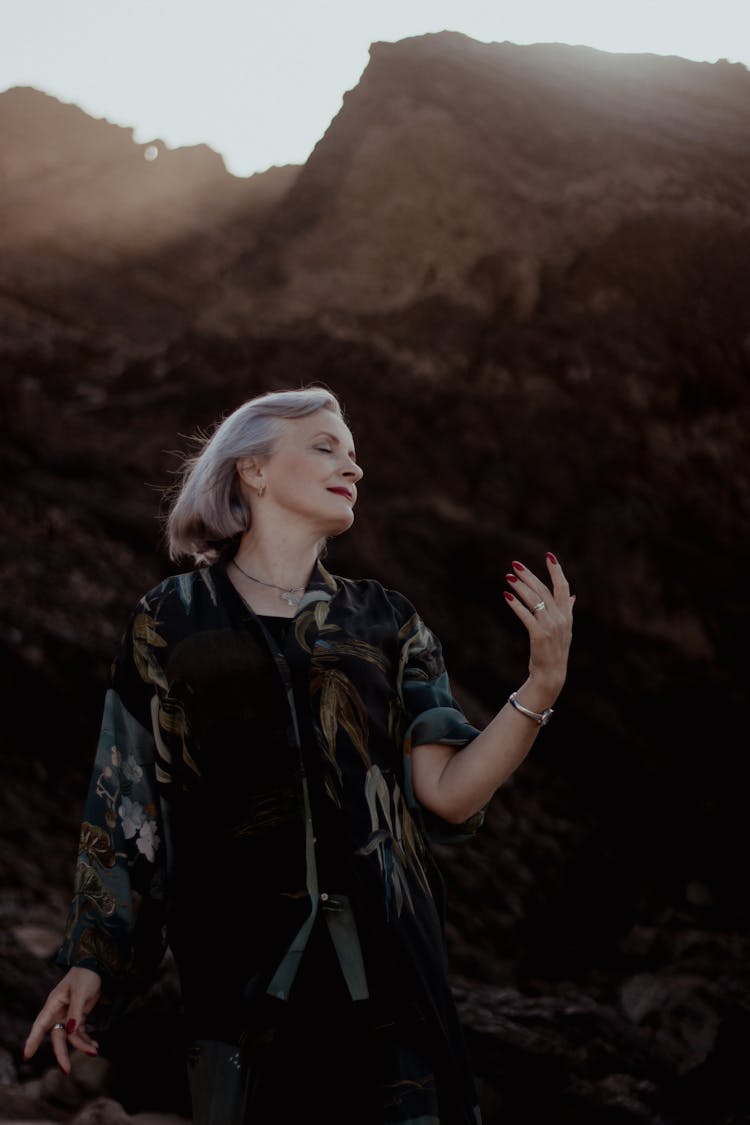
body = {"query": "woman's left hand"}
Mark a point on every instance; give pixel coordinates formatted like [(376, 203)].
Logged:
[(547, 615)]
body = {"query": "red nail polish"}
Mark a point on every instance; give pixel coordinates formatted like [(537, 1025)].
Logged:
[(508, 596), (510, 578), (517, 566), (70, 1027), (551, 558)]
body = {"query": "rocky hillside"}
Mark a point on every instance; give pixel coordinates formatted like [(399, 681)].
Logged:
[(525, 270), (104, 236)]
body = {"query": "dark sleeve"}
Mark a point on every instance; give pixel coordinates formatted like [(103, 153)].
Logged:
[(431, 714), (116, 920)]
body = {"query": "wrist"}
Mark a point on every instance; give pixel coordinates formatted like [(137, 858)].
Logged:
[(540, 692), (541, 718)]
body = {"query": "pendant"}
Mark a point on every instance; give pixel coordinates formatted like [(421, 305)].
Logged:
[(288, 597)]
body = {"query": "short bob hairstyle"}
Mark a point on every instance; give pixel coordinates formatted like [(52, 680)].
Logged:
[(208, 510)]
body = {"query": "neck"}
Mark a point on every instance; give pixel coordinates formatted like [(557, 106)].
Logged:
[(285, 558)]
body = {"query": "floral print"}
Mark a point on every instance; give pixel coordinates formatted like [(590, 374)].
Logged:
[(148, 840), (131, 770), (133, 817)]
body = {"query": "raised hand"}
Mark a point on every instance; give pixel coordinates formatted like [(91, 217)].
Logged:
[(547, 615)]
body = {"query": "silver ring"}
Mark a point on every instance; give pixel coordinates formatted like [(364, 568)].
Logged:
[(58, 1027), (535, 608)]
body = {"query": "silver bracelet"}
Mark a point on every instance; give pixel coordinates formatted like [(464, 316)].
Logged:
[(540, 717)]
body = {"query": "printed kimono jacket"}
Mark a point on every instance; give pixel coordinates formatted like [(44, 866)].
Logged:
[(242, 790)]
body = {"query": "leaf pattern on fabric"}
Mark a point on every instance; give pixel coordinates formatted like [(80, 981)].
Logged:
[(412, 840), (145, 637), (163, 756), (419, 658), (332, 790), (330, 651), (269, 811), (395, 848), (107, 787), (96, 844), (206, 577), (89, 884), (402, 1089), (340, 707), (312, 619), (340, 704), (395, 720), (173, 720), (99, 947), (184, 583)]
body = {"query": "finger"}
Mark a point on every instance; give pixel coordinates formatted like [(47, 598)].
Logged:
[(560, 587), (82, 1041), (530, 599), (59, 1041), (51, 1013), (523, 572), (523, 612), (529, 582), (80, 1004), (534, 598), (33, 1039)]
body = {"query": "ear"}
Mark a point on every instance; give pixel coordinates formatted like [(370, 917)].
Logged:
[(250, 472)]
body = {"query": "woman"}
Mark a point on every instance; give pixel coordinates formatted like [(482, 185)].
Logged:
[(278, 747)]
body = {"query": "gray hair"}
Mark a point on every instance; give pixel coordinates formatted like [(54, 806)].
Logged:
[(208, 509)]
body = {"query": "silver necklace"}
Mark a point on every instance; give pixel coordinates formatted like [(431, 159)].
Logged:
[(291, 596)]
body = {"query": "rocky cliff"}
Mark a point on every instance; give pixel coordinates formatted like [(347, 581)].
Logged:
[(525, 271)]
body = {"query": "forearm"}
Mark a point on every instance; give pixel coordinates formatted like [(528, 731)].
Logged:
[(466, 779), (456, 784)]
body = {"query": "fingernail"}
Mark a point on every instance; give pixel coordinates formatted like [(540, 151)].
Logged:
[(508, 596), (517, 566), (91, 1054), (551, 558), (510, 578), (70, 1027)]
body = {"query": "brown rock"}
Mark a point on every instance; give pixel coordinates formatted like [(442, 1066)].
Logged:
[(89, 1078), (102, 1111), (41, 941), (61, 1089), (682, 1013), (94, 1076)]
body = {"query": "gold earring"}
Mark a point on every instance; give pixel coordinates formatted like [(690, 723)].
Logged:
[(261, 490)]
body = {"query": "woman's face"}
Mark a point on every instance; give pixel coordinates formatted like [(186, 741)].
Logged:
[(312, 473)]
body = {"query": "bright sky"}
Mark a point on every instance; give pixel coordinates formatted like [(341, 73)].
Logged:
[(260, 80)]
